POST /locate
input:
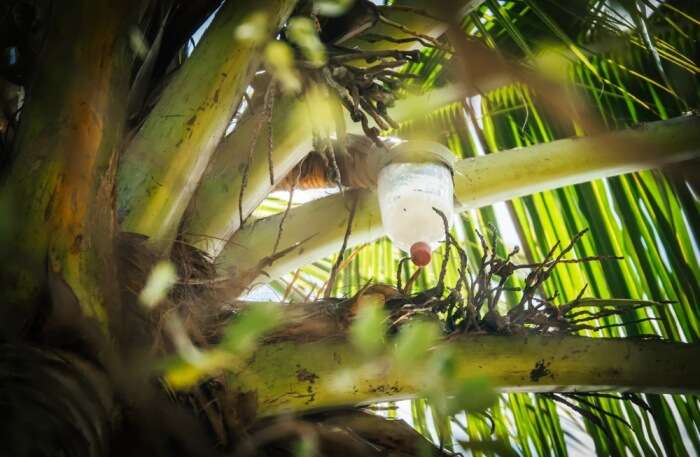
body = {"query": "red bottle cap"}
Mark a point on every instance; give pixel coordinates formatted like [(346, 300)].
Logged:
[(420, 253)]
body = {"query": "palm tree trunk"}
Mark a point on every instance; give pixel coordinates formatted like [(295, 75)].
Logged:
[(65, 163), (59, 283)]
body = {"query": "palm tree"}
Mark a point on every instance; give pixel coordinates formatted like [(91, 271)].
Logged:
[(153, 153)]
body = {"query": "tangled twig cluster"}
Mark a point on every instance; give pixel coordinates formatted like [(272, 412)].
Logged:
[(363, 83), (471, 304), (367, 91)]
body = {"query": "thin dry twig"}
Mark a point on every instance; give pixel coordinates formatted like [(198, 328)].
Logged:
[(286, 211), (269, 105), (251, 151), (336, 265)]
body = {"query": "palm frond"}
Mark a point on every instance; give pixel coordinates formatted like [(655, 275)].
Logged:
[(632, 65)]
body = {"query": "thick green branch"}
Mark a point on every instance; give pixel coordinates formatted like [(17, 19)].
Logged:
[(478, 182), (302, 376), (165, 161), (213, 215)]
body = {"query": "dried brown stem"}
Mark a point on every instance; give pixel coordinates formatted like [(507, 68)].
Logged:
[(338, 261)]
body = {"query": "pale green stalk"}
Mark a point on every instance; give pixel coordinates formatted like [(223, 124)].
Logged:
[(479, 182), (336, 374)]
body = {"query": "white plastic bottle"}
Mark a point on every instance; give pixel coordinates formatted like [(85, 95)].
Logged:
[(408, 192)]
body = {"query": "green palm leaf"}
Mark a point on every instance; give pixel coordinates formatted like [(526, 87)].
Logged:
[(649, 218)]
